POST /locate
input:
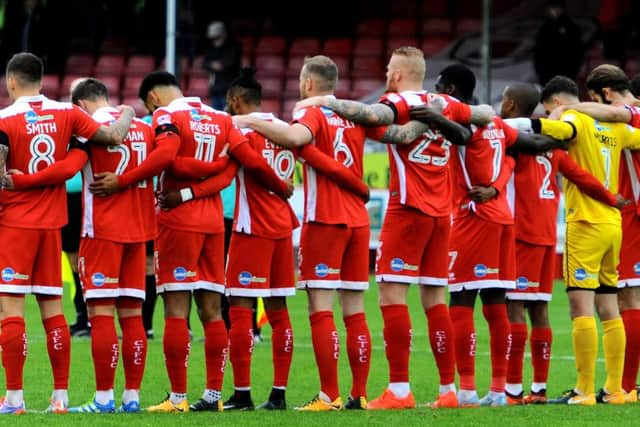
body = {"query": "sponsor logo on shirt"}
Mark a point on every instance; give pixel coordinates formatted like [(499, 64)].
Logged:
[(580, 274), (8, 274), (164, 119), (481, 270), (599, 127), (31, 117), (195, 115), (398, 264), (636, 268), (181, 273), (522, 283)]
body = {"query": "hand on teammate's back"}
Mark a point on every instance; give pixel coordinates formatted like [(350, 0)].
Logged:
[(7, 181), (557, 112), (169, 199), (621, 202), (289, 191), (104, 184), (481, 194)]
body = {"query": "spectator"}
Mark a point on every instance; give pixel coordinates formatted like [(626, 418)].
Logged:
[(223, 60), (559, 49)]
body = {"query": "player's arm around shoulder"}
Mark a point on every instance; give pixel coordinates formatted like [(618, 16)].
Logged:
[(116, 132), (366, 114), (600, 112), (288, 136)]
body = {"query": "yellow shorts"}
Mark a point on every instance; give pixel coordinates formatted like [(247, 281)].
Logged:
[(592, 254)]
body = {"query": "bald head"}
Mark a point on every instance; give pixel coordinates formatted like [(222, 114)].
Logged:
[(520, 100)]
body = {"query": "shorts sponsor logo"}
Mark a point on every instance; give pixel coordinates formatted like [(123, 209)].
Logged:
[(522, 283), (397, 264), (636, 268), (97, 279), (31, 117), (480, 270), (8, 274), (322, 270), (180, 273), (580, 274), (245, 278)]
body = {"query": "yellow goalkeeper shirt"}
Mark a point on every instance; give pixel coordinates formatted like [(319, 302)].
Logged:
[(596, 147)]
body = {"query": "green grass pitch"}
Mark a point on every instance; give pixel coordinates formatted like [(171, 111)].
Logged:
[(304, 380)]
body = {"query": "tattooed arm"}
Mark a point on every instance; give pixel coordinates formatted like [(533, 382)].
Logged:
[(117, 131), (369, 115)]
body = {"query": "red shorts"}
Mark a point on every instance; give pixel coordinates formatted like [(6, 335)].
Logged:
[(334, 257), (535, 267), (413, 248), (187, 261), (629, 267), (111, 269), (482, 255), (268, 275), (30, 261)]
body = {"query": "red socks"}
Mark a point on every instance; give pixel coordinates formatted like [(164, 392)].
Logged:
[(134, 351), (14, 351), (397, 339), (631, 319), (59, 349), (281, 346), (326, 347), (105, 351), (499, 329), (359, 351), (441, 340), (519, 334), (216, 345), (540, 342), (176, 347), (241, 345), (464, 334)]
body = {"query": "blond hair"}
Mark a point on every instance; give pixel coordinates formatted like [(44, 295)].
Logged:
[(416, 67)]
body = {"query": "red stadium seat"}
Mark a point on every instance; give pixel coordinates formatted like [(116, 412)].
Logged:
[(248, 45), (270, 66), (271, 105), (344, 66), (294, 65), (131, 86), (198, 87), (368, 47), (140, 65), (436, 27), (403, 28), (305, 47), (271, 45), (338, 47), (109, 65), (287, 108), (468, 25), (196, 69), (364, 87), (66, 84), (367, 66), (343, 88), (374, 27), (395, 43), (51, 86), (243, 26), (137, 105), (292, 87), (404, 9), (113, 85), (271, 87), (434, 45), (79, 64), (435, 9)]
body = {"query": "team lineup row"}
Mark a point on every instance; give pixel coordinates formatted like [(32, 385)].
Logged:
[(470, 193)]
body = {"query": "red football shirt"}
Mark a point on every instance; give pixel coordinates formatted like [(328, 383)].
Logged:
[(479, 163), (203, 133), (39, 131), (629, 181), (128, 215), (420, 171), (325, 201), (258, 211)]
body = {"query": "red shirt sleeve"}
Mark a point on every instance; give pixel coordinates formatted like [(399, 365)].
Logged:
[(334, 170), (506, 171), (376, 132), (309, 117), (215, 183), (83, 124), (456, 110), (510, 134), (398, 105), (586, 182), (167, 145), (55, 174)]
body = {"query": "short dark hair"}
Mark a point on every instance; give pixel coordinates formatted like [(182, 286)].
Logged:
[(323, 67), (154, 79), (635, 85), (26, 67), (90, 89), (557, 85), (247, 87), (525, 95), (607, 75), (462, 77)]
